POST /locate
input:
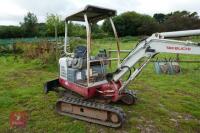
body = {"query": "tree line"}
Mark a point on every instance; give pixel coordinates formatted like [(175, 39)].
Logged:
[(133, 23), (127, 24)]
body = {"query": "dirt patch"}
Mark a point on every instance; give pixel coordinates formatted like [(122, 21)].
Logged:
[(147, 126)]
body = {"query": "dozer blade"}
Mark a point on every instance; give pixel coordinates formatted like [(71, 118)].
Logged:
[(51, 86), (103, 114)]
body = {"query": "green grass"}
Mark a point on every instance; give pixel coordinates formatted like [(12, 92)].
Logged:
[(166, 103)]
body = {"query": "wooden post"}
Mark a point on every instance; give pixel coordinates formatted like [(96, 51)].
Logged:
[(14, 51), (56, 33), (109, 55), (177, 57)]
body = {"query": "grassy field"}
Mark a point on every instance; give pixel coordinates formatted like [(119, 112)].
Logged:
[(166, 103)]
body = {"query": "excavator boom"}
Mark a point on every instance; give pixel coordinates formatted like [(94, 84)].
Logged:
[(152, 46), (180, 33)]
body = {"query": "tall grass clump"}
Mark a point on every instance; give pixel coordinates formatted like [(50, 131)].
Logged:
[(44, 51)]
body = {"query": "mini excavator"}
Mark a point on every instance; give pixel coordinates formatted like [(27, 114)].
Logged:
[(89, 88)]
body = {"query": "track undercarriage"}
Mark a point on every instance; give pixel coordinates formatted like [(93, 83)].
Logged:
[(96, 110)]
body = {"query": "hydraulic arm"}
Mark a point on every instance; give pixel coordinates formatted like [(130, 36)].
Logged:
[(152, 46)]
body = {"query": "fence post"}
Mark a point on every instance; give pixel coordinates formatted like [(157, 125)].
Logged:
[(109, 56), (177, 57), (14, 47)]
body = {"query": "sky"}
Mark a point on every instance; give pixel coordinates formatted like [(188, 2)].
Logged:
[(12, 12)]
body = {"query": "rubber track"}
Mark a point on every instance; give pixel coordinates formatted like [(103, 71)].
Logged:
[(94, 105)]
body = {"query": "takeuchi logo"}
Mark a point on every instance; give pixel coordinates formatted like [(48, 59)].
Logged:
[(18, 119), (179, 48)]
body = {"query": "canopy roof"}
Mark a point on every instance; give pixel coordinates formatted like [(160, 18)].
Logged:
[(94, 14)]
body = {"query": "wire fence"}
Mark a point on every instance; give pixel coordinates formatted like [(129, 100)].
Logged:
[(6, 42)]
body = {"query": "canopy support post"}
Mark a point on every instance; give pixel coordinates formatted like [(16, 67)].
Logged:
[(66, 38), (88, 29), (117, 40)]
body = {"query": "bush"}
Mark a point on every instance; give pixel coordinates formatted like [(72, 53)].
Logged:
[(76, 41), (45, 51)]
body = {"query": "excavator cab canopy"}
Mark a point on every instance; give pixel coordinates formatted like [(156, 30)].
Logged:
[(90, 15), (94, 14)]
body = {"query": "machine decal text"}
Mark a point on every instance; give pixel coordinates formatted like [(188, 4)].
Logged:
[(179, 48)]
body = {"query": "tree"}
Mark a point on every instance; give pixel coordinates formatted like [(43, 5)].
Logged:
[(182, 20), (76, 30), (131, 24), (10, 32), (42, 30), (54, 24), (159, 17), (148, 25), (30, 25)]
